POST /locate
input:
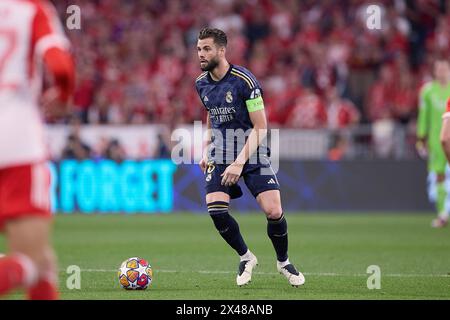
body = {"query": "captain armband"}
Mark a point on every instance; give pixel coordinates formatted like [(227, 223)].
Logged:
[(255, 104)]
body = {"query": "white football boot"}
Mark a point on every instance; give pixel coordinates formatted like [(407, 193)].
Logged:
[(439, 222), (245, 270), (294, 277)]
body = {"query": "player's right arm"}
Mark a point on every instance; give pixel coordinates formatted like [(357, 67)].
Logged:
[(445, 131), (423, 121), (206, 143)]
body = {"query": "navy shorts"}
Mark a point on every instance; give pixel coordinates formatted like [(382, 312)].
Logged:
[(255, 181)]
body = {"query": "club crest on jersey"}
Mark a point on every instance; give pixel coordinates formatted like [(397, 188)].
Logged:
[(229, 97), (211, 167)]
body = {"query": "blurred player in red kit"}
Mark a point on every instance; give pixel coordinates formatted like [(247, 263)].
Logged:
[(31, 38)]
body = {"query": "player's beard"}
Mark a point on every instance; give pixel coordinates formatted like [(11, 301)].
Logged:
[(211, 65)]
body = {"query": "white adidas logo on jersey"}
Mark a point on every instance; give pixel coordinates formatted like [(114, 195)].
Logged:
[(271, 181)]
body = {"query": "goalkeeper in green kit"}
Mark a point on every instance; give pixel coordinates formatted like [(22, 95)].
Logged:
[(433, 98)]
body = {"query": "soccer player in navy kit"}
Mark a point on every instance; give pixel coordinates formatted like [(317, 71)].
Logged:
[(233, 99)]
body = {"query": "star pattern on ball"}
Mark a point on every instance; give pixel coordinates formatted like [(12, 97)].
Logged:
[(141, 269), (123, 269)]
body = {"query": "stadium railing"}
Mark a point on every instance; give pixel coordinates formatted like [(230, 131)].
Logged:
[(382, 140)]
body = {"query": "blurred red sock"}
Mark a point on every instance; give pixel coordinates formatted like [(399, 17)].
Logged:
[(16, 271), (44, 289)]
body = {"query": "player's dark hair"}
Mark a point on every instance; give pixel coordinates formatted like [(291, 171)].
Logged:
[(220, 38)]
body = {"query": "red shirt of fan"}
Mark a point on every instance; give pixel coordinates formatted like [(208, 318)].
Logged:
[(342, 114), (308, 113)]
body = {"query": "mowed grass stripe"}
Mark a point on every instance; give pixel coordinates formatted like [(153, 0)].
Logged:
[(191, 261)]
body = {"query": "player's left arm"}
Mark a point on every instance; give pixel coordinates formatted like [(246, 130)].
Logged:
[(258, 118), (257, 135), (423, 122)]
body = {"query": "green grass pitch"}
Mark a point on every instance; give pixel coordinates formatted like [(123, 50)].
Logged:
[(191, 261)]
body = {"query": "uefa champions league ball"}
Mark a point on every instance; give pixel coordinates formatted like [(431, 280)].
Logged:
[(135, 274)]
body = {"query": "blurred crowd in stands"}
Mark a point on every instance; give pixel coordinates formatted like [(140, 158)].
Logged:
[(319, 64), (110, 147)]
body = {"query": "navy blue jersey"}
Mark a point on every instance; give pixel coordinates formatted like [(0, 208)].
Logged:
[(228, 102)]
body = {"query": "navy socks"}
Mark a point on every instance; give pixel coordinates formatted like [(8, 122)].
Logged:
[(227, 226), (277, 232)]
